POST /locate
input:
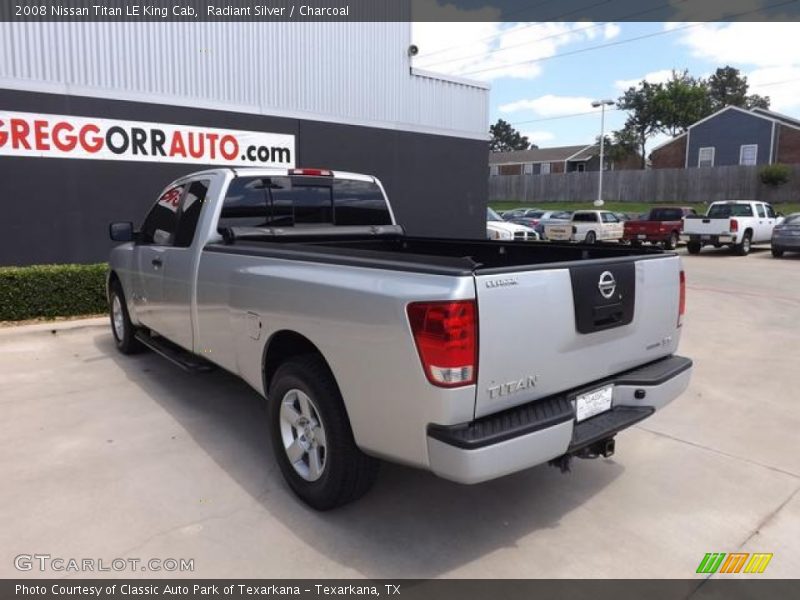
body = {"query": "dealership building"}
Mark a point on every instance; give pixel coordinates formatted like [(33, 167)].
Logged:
[(96, 118)]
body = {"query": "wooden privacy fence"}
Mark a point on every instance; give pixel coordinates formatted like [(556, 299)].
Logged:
[(675, 186)]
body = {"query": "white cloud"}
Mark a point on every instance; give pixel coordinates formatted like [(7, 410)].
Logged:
[(492, 50), (539, 137), (763, 44), (611, 30), (771, 49), (550, 105), (661, 76), (781, 84)]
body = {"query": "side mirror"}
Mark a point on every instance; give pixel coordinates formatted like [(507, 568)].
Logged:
[(121, 231)]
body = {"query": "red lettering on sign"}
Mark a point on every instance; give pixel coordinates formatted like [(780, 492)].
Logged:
[(229, 147), (212, 141), (67, 142), (94, 144), (19, 134), (177, 147), (196, 152), (3, 136), (41, 135)]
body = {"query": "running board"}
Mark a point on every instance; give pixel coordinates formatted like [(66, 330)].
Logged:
[(175, 354)]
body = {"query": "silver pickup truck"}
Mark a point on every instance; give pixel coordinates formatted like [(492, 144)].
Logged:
[(471, 358)]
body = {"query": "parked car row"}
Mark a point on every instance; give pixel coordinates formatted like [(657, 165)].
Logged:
[(735, 223)]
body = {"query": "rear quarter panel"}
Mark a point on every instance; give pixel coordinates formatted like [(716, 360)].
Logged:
[(356, 317)]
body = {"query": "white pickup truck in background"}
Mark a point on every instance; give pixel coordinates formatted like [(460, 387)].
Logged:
[(736, 223), (587, 226)]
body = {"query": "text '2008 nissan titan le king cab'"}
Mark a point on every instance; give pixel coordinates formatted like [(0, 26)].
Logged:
[(371, 344)]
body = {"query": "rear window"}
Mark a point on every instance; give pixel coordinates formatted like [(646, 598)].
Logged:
[(723, 211), (666, 214), (585, 217), (298, 201)]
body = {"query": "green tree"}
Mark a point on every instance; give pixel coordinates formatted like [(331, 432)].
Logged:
[(680, 102), (505, 138), (643, 120), (728, 87), (619, 145)]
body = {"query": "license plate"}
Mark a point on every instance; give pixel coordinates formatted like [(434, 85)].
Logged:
[(642, 236), (593, 403), (705, 237)]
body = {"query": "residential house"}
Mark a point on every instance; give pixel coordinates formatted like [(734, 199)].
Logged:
[(560, 159), (732, 136)]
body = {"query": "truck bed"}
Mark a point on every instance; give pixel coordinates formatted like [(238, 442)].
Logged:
[(432, 255)]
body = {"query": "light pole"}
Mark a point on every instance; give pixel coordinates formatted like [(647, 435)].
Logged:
[(602, 104)]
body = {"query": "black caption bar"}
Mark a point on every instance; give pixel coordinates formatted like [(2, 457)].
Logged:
[(399, 10), (451, 589)]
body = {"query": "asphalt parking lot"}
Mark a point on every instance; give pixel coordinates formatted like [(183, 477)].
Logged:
[(106, 456)]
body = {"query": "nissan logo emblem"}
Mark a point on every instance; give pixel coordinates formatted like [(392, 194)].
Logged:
[(607, 285)]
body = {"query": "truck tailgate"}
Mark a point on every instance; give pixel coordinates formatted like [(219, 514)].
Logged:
[(706, 226), (550, 329)]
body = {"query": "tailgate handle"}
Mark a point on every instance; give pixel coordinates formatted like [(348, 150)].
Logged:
[(706, 220), (607, 315)]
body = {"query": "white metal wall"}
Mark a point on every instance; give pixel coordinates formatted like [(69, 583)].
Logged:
[(343, 72)]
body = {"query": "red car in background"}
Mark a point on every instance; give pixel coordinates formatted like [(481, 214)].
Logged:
[(662, 225)]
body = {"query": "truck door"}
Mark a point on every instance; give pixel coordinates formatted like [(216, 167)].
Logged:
[(174, 316), (763, 230), (772, 220), (157, 234)]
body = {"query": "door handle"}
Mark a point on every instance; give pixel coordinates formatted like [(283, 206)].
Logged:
[(157, 263)]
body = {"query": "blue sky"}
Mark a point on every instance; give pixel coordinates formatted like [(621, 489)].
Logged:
[(537, 83)]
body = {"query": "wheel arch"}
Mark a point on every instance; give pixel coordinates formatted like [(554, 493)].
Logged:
[(283, 345)]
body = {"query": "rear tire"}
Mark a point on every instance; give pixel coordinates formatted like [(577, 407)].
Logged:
[(777, 252), (693, 247), (591, 237), (743, 249), (672, 242), (124, 331), (312, 438)]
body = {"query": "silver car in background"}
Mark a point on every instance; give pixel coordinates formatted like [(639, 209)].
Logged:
[(786, 236)]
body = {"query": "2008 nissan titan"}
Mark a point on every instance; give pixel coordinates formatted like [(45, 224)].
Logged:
[(471, 358)]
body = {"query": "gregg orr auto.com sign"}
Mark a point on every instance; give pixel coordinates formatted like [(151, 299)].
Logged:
[(58, 136)]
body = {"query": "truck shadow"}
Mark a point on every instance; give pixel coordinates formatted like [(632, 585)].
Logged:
[(412, 524)]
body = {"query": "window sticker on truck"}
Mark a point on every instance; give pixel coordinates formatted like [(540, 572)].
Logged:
[(59, 136)]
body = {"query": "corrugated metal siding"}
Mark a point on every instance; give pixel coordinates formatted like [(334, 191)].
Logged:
[(345, 72)]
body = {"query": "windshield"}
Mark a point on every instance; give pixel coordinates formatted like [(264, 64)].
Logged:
[(792, 220), (492, 216), (723, 211), (666, 214)]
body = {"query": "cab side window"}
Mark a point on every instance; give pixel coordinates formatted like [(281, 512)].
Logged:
[(770, 211), (161, 222), (761, 212), (189, 214)]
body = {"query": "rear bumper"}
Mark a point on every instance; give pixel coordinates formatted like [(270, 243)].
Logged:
[(545, 429), (786, 243), (723, 238)]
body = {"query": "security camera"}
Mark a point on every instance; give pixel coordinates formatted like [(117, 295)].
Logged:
[(413, 50)]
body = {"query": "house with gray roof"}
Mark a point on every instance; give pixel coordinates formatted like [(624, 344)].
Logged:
[(732, 136)]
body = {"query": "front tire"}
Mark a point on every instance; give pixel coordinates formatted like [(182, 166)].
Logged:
[(777, 252), (743, 249), (121, 326), (694, 247), (312, 438)]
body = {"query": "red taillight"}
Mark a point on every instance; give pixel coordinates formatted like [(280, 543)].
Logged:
[(734, 225), (682, 299), (311, 172), (447, 340)]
